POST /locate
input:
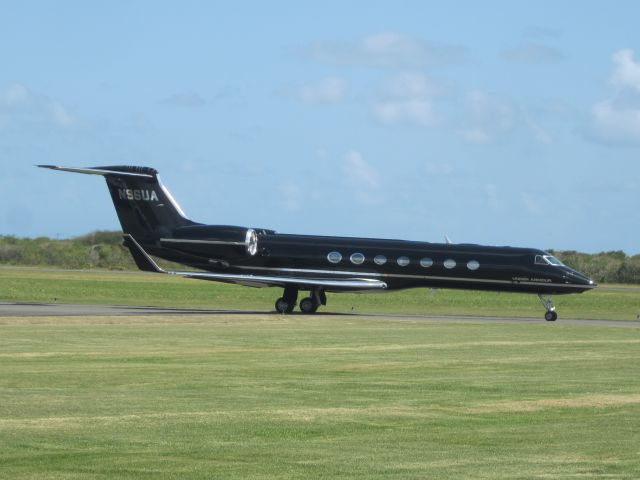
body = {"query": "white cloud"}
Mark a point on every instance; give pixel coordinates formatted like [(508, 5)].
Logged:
[(413, 85), (614, 124), (540, 134), (417, 111), (328, 90), (616, 121), (13, 95), (476, 135), (626, 73), (359, 173), (387, 50), (60, 116), (408, 99), (19, 104)]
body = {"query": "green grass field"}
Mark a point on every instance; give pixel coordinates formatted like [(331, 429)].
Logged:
[(239, 396), (137, 288), (270, 396)]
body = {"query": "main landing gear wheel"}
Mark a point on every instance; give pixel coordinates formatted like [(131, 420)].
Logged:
[(282, 306), (551, 315), (307, 305), (287, 302)]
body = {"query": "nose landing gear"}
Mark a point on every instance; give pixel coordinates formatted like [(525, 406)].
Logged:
[(547, 303)]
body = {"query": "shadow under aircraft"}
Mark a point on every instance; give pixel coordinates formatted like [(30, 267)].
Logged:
[(154, 224)]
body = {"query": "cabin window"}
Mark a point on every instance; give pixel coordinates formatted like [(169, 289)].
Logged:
[(403, 261), (357, 258), (380, 259), (426, 262), (548, 260), (473, 265), (449, 263), (334, 257), (553, 261)]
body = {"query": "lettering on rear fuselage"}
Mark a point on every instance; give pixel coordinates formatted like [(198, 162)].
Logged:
[(138, 194)]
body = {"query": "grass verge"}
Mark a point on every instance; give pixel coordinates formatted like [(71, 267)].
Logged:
[(264, 396), (137, 288)]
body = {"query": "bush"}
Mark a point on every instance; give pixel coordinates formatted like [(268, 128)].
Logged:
[(101, 249)]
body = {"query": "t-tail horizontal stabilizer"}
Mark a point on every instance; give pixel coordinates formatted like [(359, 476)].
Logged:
[(104, 171)]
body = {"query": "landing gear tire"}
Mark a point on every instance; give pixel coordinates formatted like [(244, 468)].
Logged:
[(547, 303), (307, 305), (282, 306), (287, 302)]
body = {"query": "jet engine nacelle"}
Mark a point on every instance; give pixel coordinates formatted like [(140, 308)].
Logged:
[(222, 240)]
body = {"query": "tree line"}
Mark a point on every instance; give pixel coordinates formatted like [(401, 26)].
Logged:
[(103, 249), (100, 249)]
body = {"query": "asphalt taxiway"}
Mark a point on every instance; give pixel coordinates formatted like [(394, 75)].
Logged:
[(69, 310)]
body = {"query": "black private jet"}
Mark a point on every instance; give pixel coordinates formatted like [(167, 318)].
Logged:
[(154, 224)]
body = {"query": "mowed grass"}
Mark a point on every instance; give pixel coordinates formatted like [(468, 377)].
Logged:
[(288, 397), (138, 288)]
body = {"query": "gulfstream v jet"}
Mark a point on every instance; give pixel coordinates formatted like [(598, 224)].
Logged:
[(154, 224)]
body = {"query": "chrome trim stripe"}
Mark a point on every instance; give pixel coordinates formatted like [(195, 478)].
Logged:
[(353, 283), (420, 277), (208, 242), (305, 270)]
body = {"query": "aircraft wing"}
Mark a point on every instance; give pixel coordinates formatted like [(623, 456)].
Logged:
[(145, 262)]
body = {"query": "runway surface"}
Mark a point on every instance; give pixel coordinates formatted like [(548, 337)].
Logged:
[(68, 310)]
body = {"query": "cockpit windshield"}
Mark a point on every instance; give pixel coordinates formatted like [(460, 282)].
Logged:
[(548, 260)]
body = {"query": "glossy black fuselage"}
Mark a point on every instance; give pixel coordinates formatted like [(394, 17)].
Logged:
[(409, 264)]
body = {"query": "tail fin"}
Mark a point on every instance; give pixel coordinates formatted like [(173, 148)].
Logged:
[(145, 208)]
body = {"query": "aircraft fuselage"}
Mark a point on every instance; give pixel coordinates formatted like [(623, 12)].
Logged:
[(399, 263)]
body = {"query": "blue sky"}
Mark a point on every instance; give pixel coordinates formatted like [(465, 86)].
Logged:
[(493, 122)]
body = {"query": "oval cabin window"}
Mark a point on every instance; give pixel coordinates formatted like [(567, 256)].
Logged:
[(334, 257), (380, 259), (403, 261), (357, 258), (473, 265), (426, 262), (449, 263)]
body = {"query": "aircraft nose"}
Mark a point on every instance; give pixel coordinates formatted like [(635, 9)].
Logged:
[(580, 279)]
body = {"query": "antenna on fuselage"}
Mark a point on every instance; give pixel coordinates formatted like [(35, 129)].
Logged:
[(447, 239)]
